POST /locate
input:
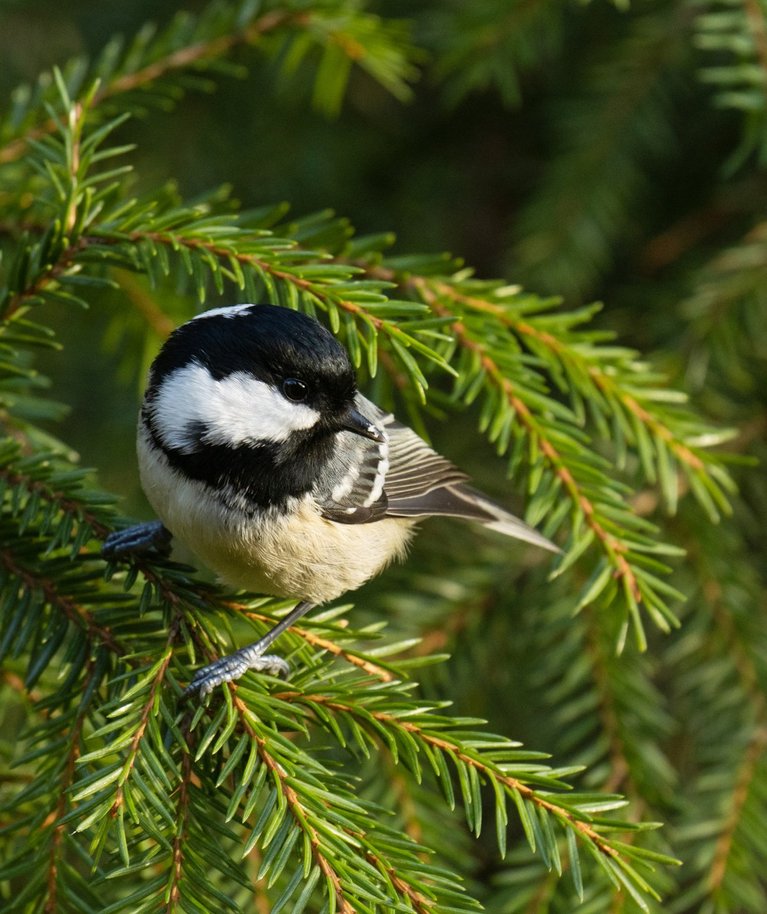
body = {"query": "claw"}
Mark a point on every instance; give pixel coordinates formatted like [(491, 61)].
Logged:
[(251, 657), (232, 667), (137, 539)]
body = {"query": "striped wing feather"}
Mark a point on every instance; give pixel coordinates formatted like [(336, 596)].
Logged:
[(417, 482)]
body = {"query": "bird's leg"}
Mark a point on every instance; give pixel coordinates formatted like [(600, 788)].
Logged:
[(137, 539), (251, 657)]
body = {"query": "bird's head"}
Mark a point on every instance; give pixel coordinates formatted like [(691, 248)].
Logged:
[(251, 376)]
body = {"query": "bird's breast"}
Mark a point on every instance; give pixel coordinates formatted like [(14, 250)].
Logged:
[(290, 551)]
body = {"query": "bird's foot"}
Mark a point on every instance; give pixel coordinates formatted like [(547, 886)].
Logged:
[(251, 657), (231, 667), (136, 540)]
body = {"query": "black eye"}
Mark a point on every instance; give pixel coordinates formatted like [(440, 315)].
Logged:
[(295, 390)]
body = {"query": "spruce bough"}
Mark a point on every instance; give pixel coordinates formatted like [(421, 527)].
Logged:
[(329, 792)]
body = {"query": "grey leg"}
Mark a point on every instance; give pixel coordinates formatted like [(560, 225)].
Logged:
[(137, 539), (252, 657)]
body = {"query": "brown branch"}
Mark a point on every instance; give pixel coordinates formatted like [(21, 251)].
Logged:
[(430, 289), (298, 811), (456, 751), (605, 382), (321, 642), (48, 277), (67, 779), (66, 260), (195, 54), (181, 59), (71, 609), (177, 856), (146, 713), (305, 285), (608, 385), (101, 531), (507, 780), (745, 778), (69, 505), (613, 547), (421, 904)]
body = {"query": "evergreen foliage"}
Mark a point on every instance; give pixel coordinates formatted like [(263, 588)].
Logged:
[(635, 663)]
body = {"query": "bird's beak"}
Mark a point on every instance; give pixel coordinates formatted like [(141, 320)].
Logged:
[(355, 422)]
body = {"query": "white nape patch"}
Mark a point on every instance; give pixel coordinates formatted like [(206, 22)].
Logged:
[(226, 311), (238, 409)]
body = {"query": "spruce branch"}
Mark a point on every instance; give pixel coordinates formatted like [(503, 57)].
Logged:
[(329, 286), (624, 397), (154, 67), (32, 584), (46, 856), (155, 681), (746, 780), (55, 820), (130, 796), (610, 378), (326, 285), (299, 813), (728, 867), (324, 820), (44, 283), (182, 814), (731, 39), (324, 643), (40, 486), (472, 755), (568, 471)]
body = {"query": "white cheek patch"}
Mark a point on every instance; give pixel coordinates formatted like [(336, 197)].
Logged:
[(236, 410)]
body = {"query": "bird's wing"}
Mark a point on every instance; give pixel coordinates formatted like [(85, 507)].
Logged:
[(404, 477), (415, 470), (352, 489), (421, 483)]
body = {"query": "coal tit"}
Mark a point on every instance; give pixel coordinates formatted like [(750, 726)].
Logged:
[(259, 453)]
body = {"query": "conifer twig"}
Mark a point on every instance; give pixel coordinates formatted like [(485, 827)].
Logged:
[(177, 60)]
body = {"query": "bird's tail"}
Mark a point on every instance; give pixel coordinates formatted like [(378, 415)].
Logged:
[(504, 522), (468, 503)]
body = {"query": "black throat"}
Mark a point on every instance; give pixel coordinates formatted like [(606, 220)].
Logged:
[(257, 476)]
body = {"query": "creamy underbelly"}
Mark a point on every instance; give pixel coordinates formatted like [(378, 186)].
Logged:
[(300, 555)]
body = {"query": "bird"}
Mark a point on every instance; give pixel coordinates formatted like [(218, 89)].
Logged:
[(258, 452)]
